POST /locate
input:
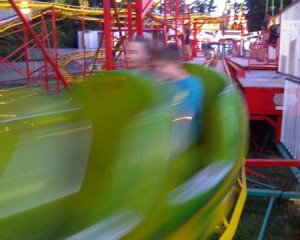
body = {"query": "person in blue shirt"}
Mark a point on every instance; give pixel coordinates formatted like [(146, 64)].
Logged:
[(184, 98)]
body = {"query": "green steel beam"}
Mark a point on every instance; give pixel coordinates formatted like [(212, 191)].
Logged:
[(260, 183), (266, 219), (254, 192)]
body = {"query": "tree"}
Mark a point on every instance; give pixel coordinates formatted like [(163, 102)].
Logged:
[(202, 7), (197, 6), (256, 10)]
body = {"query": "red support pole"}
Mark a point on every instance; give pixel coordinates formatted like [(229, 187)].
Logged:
[(165, 35), (255, 174), (45, 30), (83, 46), (15, 51), (272, 163), (39, 43), (279, 39), (195, 43), (138, 17), (27, 57), (119, 24), (129, 16), (101, 26), (43, 41), (165, 24), (107, 35), (176, 20), (9, 64), (55, 44)]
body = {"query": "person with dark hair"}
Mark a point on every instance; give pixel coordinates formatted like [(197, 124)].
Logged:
[(185, 96), (138, 53), (265, 36), (266, 22), (187, 42)]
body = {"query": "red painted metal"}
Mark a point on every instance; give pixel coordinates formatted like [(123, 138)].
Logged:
[(27, 56), (45, 31), (239, 71), (11, 66), (266, 64), (129, 19), (272, 163), (122, 38), (141, 7), (278, 40), (44, 43), (255, 174), (262, 108), (165, 36), (166, 25), (107, 36), (138, 17), (145, 6), (55, 43), (84, 48), (176, 21), (195, 44), (39, 43), (260, 100)]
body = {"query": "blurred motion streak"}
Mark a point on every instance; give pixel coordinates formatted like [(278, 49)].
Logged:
[(97, 163)]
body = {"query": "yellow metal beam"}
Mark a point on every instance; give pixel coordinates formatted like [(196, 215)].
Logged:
[(96, 14)]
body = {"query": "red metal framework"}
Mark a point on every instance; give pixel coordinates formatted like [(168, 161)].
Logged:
[(118, 22), (272, 163), (41, 44)]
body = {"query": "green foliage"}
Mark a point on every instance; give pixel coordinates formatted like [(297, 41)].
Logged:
[(68, 2), (256, 11), (8, 44), (204, 7), (67, 33), (201, 6)]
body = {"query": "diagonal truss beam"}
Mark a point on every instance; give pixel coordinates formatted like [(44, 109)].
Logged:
[(40, 45)]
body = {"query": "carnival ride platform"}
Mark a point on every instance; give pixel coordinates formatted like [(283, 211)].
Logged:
[(263, 89), (62, 11)]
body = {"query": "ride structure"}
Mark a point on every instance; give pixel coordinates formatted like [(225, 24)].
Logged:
[(117, 22), (278, 93), (80, 195), (73, 117), (66, 185)]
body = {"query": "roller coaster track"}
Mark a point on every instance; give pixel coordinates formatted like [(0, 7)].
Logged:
[(118, 13), (11, 22), (229, 223), (94, 14), (66, 58), (72, 12)]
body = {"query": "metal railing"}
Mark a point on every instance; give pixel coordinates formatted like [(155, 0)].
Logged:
[(263, 54)]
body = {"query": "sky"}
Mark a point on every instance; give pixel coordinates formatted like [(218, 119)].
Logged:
[(220, 4)]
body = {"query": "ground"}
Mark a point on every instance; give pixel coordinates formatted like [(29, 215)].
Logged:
[(284, 222)]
